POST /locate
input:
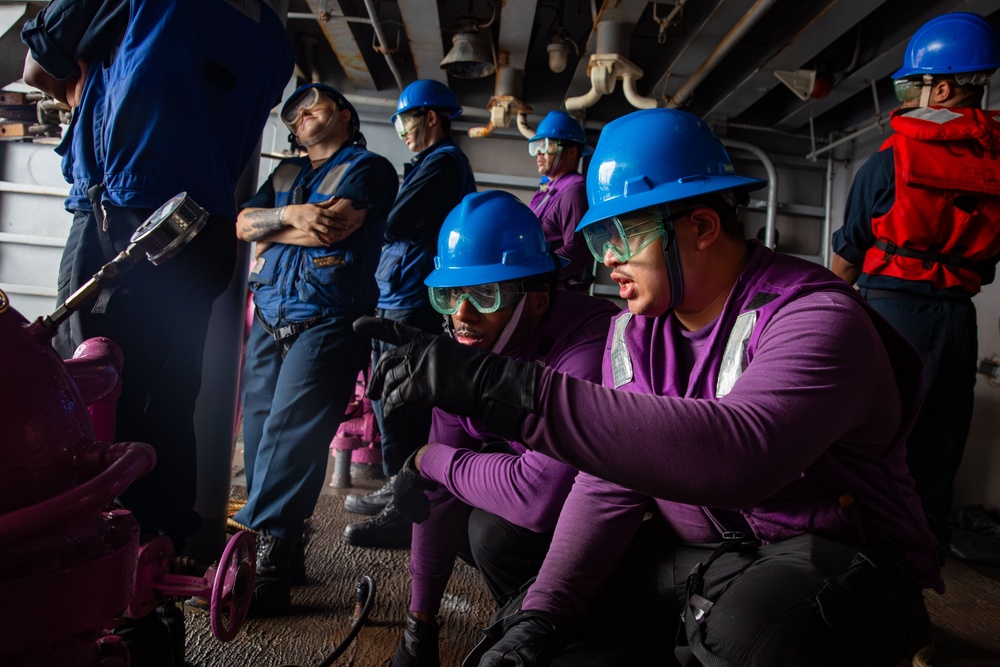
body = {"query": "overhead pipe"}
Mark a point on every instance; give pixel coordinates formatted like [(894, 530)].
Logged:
[(380, 36), (827, 215), (506, 98), (771, 213), (522, 125), (737, 32), (608, 65)]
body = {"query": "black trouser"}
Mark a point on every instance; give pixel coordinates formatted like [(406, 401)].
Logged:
[(507, 554), (945, 333), (159, 317), (808, 601), (630, 621)]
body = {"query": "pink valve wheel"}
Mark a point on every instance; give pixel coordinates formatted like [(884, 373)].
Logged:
[(233, 587)]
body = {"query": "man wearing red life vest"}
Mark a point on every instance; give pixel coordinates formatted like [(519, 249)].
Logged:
[(921, 232)]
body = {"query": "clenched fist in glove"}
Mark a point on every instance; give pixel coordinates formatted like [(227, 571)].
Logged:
[(530, 639), (458, 379), (408, 491)]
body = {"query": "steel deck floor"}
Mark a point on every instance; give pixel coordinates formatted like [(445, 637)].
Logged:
[(966, 619)]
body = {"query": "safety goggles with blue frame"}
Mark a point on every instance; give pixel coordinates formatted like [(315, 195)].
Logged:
[(627, 235), (486, 298)]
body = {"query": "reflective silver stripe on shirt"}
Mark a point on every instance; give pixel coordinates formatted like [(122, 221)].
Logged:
[(734, 359), (621, 362)]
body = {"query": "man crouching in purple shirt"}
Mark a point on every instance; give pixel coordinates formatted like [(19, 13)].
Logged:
[(494, 279), (752, 406)]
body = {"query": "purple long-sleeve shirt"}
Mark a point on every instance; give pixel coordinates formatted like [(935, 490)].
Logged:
[(527, 488), (559, 208), (808, 438)]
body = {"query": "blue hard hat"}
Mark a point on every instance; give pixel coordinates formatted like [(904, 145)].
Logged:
[(562, 126), (427, 94), (491, 236), (956, 43), (332, 93), (656, 156)]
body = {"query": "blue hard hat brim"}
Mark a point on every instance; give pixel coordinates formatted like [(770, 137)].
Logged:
[(492, 273), (664, 194)]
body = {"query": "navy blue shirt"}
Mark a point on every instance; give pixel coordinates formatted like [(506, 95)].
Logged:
[(436, 180), (187, 90), (293, 283)]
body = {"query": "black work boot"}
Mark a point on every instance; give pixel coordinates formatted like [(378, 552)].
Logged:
[(419, 645), (388, 529), (372, 502), (280, 564)]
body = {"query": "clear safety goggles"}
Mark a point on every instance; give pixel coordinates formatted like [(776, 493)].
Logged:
[(907, 90), (547, 146), (408, 122), (625, 237), (303, 103), (487, 298)]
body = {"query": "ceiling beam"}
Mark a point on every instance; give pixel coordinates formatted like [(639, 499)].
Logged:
[(345, 47), (423, 32), (515, 30), (829, 24), (879, 67)]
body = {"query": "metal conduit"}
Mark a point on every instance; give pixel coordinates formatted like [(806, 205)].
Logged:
[(370, 7), (720, 51), (877, 125), (827, 215), (772, 185)]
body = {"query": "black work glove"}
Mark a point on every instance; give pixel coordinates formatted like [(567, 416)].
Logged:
[(388, 330), (419, 645), (530, 639), (457, 378), (408, 491)]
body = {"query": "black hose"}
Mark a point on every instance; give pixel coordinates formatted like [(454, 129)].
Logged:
[(364, 598)]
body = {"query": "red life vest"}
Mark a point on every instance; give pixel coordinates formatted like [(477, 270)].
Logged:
[(946, 217)]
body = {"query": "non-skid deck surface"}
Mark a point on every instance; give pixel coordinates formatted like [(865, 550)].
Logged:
[(966, 619)]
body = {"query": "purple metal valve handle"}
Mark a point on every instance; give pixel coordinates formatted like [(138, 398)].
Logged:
[(228, 585)]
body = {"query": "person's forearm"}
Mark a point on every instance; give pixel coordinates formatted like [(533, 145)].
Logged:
[(38, 78), (527, 490), (255, 224), (846, 270), (756, 440)]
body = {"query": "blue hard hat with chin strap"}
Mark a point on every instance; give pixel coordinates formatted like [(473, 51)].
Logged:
[(562, 126), (491, 236), (657, 156), (955, 43), (654, 157), (427, 94)]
